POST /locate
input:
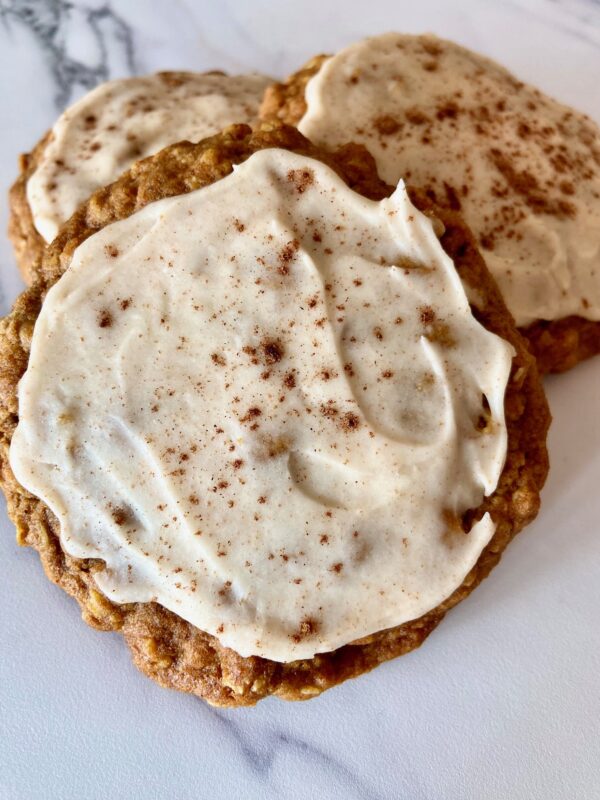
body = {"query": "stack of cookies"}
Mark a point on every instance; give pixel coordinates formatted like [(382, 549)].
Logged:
[(271, 403)]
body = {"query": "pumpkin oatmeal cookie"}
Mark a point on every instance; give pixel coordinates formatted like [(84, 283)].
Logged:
[(301, 432)]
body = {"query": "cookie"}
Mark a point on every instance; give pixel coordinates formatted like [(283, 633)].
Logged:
[(501, 451), (522, 169), (101, 135)]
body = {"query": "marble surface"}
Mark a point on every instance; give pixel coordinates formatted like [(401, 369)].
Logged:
[(503, 700)]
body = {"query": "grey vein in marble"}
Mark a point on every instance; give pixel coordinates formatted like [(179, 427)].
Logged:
[(260, 757), (49, 22), (578, 18)]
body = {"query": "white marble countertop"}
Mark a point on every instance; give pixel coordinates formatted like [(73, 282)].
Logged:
[(503, 701)]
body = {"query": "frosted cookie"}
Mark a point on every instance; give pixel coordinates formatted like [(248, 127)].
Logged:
[(259, 428), (101, 135), (522, 169)]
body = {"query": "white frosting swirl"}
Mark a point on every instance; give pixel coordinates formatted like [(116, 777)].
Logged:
[(262, 405), (119, 122), (524, 168)]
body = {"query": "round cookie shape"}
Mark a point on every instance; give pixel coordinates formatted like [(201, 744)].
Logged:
[(522, 169), (200, 369), (103, 133), (164, 645)]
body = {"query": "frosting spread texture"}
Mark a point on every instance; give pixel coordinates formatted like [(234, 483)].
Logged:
[(265, 405), (121, 121), (523, 169)]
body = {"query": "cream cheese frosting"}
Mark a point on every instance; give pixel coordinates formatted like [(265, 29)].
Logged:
[(121, 121), (265, 405), (523, 168)]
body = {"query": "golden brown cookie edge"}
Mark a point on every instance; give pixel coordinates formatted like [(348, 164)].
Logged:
[(27, 243)]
